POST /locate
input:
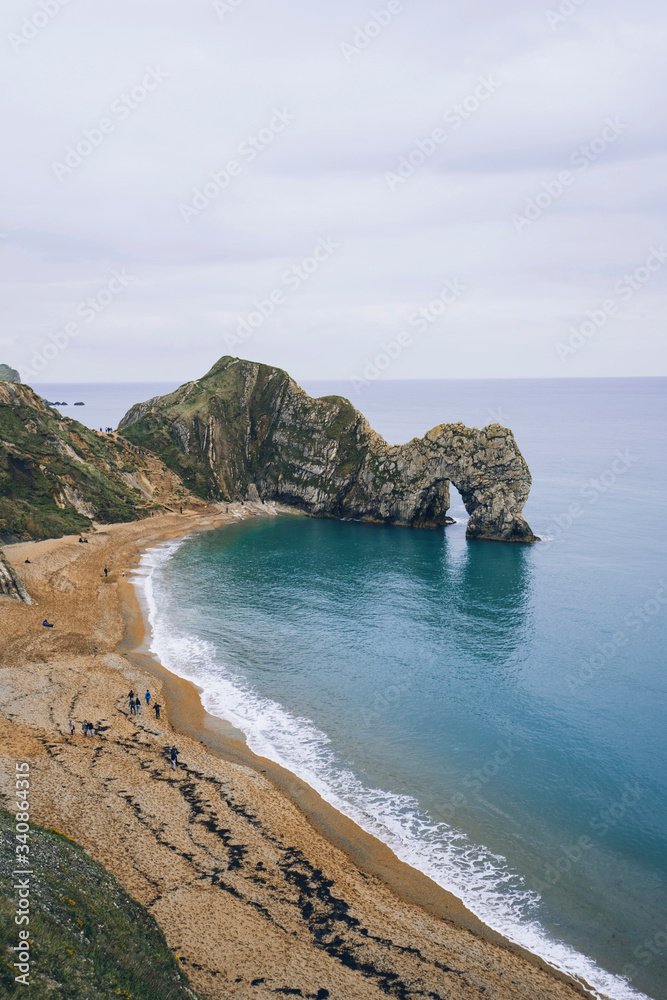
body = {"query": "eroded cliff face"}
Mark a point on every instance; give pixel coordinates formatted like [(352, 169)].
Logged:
[(246, 427), (10, 583)]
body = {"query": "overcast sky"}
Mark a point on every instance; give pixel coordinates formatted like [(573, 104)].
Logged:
[(483, 184)]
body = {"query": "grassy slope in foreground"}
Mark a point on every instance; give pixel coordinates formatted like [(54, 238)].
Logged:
[(89, 940)]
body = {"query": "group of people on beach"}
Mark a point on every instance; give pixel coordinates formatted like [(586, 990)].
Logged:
[(135, 708), (135, 704), (86, 728)]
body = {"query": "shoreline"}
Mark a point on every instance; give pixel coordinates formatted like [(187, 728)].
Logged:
[(372, 860), (188, 715)]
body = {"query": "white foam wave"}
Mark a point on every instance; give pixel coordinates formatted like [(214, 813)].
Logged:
[(482, 880)]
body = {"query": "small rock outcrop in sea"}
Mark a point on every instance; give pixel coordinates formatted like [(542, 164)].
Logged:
[(10, 584), (8, 374), (246, 426)]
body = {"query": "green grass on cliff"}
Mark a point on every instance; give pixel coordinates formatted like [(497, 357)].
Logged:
[(255, 442), (151, 434), (40, 455), (89, 940), (216, 395)]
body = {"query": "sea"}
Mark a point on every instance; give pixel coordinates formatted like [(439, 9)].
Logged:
[(495, 713)]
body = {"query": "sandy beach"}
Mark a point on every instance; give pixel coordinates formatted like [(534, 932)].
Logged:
[(261, 888)]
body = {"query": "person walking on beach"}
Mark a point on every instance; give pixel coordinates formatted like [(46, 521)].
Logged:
[(137, 706), (71, 727), (84, 726), (174, 758), (90, 729), (132, 708), (106, 571), (157, 708), (147, 696)]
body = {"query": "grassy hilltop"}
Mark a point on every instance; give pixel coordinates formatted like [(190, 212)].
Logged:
[(57, 475)]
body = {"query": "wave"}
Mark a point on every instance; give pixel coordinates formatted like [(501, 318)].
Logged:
[(483, 881)]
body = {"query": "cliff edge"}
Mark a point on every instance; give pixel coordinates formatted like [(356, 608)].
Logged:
[(246, 430)]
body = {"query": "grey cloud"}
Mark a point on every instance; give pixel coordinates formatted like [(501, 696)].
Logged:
[(224, 78)]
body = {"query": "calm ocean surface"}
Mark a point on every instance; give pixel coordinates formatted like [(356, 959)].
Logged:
[(495, 713)]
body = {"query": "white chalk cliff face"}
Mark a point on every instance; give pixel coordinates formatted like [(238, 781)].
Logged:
[(246, 427), (10, 584)]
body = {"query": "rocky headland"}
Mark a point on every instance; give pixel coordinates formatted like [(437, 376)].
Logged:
[(8, 374), (247, 430)]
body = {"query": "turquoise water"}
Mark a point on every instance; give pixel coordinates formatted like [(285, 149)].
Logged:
[(495, 713)]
